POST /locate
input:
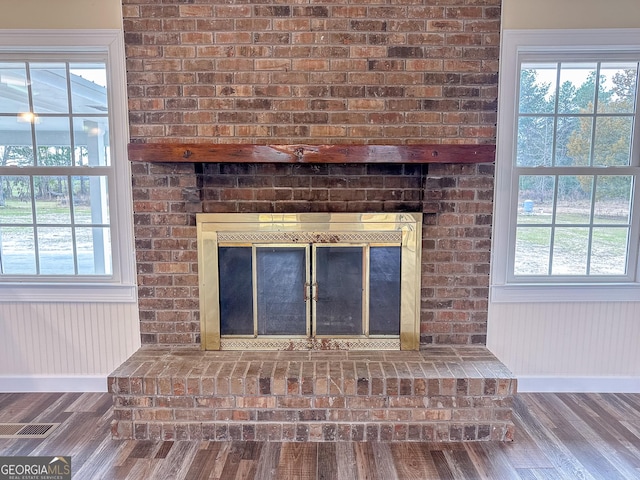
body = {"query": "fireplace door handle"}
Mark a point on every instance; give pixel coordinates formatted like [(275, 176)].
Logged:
[(306, 291), (315, 290)]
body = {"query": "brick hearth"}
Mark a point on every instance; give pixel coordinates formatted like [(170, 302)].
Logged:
[(442, 393)]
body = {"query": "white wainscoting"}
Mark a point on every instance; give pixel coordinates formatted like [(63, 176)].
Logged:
[(587, 347), (64, 346)]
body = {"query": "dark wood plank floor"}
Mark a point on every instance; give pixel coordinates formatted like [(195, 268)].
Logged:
[(558, 436)]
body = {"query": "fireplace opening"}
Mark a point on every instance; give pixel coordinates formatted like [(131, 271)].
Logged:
[(314, 290), (309, 281)]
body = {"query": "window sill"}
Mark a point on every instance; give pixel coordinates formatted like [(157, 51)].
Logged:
[(557, 293), (66, 293)]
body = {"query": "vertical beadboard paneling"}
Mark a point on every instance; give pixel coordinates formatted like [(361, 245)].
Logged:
[(65, 339), (566, 339)]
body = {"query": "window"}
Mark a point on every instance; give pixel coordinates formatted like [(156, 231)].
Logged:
[(568, 167), (54, 154), (64, 219), (574, 138)]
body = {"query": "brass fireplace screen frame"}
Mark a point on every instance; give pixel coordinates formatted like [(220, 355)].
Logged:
[(246, 229)]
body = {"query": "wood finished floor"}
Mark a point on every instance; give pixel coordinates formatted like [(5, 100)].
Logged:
[(558, 436)]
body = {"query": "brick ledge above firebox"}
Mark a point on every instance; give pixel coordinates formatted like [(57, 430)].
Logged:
[(441, 393)]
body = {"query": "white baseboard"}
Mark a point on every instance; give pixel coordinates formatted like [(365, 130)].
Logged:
[(542, 384), (50, 383)]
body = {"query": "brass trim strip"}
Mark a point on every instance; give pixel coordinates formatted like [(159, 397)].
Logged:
[(308, 279), (314, 290), (310, 237), (366, 268), (209, 289), (254, 281), (411, 280), (309, 344)]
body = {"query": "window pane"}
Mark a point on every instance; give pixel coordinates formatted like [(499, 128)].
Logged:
[(90, 199), (49, 87), (14, 95), (54, 142), (88, 87), (612, 141), (537, 88), (16, 146), (533, 245), (55, 247), (52, 200), (613, 199), (535, 141), (570, 247), (574, 199), (573, 142), (535, 198), (578, 143), (609, 251), (91, 140), (618, 92), (577, 87), (17, 253), (15, 200), (93, 251)]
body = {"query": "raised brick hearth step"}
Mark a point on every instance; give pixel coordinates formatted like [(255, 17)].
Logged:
[(444, 393)]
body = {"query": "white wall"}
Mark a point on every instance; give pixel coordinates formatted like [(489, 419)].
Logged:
[(53, 14), (590, 346), (565, 346), (63, 346), (534, 14)]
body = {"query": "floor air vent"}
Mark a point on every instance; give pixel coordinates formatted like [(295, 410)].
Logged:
[(26, 430)]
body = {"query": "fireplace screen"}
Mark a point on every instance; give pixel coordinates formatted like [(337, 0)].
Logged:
[(314, 281)]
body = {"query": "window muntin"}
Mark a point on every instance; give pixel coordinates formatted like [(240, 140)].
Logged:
[(574, 172), (55, 170)]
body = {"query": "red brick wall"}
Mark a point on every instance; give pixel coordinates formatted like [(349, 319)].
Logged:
[(456, 246), (398, 72), (339, 71)]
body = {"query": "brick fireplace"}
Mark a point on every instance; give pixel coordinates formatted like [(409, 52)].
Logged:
[(332, 73), (456, 200), (221, 76)]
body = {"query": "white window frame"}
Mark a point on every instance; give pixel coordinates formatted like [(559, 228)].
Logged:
[(120, 287), (560, 44)]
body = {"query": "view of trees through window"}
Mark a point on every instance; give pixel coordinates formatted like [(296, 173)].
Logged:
[(54, 169), (573, 164)]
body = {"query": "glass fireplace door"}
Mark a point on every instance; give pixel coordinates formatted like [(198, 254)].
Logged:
[(327, 291), (281, 277), (356, 290), (338, 283), (263, 290)]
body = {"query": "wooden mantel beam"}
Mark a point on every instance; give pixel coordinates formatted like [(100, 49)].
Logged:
[(249, 153)]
